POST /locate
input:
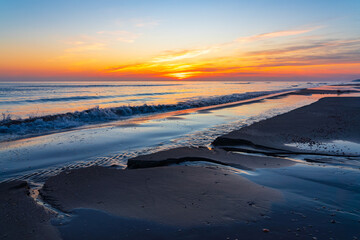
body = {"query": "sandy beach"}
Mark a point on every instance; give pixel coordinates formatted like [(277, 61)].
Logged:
[(249, 184)]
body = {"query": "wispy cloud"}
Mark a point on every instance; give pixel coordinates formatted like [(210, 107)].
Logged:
[(276, 34), (193, 53), (119, 35), (233, 58), (304, 47), (175, 56), (289, 59)]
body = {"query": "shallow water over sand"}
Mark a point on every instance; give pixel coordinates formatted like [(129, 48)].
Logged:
[(337, 146), (308, 207)]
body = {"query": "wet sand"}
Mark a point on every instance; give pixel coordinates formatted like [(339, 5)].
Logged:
[(21, 217), (219, 193), (174, 195), (311, 129), (219, 156)]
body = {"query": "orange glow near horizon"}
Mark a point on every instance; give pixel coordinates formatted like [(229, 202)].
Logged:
[(227, 61), (267, 55), (230, 60)]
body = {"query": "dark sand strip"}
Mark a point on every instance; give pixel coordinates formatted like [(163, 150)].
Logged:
[(311, 126), (219, 156), (21, 217)]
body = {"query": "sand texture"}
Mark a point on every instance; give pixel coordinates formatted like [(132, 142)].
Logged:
[(312, 128), (219, 156), (21, 217), (179, 195)]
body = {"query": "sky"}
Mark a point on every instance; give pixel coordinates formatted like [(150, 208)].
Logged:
[(179, 40)]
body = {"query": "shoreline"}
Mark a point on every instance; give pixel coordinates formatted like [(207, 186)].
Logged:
[(47, 155), (192, 189)]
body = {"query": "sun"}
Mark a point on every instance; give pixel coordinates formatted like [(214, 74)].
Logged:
[(182, 75)]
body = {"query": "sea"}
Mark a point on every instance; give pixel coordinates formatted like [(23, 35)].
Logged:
[(48, 127)]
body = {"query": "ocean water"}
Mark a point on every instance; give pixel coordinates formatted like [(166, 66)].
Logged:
[(36, 108), (60, 126), (22, 100)]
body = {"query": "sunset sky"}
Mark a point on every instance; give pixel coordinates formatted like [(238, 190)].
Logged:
[(192, 40)]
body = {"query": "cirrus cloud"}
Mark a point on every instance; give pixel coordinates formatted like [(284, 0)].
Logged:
[(119, 35)]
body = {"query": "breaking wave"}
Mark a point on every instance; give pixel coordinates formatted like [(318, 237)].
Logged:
[(37, 125)]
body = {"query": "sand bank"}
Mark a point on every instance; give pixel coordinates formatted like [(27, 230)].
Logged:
[(321, 127)]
